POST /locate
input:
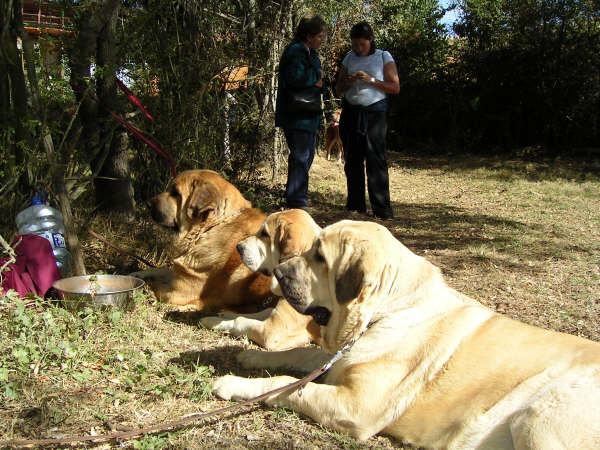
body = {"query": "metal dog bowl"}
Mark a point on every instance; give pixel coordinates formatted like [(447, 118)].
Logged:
[(98, 290)]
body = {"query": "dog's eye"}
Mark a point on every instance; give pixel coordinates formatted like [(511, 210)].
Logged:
[(174, 192)]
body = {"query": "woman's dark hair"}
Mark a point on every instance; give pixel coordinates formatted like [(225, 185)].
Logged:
[(362, 30), (309, 26)]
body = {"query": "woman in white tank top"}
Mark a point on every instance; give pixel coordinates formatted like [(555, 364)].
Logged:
[(366, 77)]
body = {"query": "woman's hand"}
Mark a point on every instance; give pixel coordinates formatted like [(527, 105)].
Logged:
[(359, 76)]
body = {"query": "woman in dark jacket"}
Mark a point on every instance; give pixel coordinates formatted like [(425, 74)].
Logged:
[(300, 68)]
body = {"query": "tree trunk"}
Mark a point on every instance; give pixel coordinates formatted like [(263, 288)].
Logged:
[(81, 55), (58, 162), (14, 77), (114, 191)]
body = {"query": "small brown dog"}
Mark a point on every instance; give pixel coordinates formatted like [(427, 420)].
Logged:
[(332, 137)]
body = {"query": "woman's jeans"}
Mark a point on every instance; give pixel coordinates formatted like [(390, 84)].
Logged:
[(302, 145)]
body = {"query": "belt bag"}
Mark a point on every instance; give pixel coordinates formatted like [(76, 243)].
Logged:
[(306, 100)]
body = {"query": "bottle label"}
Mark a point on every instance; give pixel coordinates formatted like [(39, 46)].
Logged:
[(58, 241)]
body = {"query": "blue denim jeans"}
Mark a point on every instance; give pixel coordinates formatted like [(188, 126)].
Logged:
[(302, 145)]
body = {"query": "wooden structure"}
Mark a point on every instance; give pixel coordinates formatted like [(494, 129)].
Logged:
[(47, 17)]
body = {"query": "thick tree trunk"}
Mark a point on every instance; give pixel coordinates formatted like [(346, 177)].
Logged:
[(108, 148), (114, 191), (81, 55), (14, 77)]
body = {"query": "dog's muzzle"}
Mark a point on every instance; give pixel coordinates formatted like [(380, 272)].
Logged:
[(159, 217), (294, 290), (295, 287), (248, 258)]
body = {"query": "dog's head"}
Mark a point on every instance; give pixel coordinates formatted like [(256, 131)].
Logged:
[(282, 236), (335, 116), (198, 199), (355, 273)]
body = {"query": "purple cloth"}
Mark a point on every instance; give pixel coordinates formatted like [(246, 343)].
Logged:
[(35, 269)]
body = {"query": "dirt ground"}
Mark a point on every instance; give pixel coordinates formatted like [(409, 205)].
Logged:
[(521, 237)]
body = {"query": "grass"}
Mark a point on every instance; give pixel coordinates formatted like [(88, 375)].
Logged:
[(522, 237)]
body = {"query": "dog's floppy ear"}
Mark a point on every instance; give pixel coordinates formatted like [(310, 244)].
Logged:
[(202, 201), (349, 283), (285, 242), (351, 277), (292, 238)]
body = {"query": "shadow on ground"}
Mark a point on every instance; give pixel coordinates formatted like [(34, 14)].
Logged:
[(507, 166)]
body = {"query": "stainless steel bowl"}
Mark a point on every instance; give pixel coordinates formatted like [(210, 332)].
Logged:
[(98, 290)]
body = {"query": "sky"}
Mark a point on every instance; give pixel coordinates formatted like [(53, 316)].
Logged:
[(451, 16)]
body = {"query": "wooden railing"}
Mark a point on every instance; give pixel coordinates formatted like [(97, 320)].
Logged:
[(43, 15)]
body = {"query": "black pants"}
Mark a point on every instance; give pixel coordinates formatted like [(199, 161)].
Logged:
[(370, 148), (302, 146)]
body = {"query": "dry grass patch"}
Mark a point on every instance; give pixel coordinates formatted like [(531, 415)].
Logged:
[(521, 237)]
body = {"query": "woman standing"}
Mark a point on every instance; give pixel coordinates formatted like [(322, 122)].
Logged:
[(299, 68), (366, 76)]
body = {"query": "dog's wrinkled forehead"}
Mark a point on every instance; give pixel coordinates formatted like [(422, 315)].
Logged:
[(348, 235), (336, 239), (186, 181), (354, 252)]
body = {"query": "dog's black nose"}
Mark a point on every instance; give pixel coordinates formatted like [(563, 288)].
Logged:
[(240, 249)]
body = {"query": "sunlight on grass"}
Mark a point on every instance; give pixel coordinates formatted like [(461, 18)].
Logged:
[(521, 237)]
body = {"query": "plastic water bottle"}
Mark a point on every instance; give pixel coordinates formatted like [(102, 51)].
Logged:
[(47, 222)]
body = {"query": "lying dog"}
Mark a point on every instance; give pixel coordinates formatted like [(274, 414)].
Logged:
[(210, 217), (332, 137), (282, 235), (430, 366)]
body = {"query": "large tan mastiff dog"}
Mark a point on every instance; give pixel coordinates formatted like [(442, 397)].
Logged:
[(210, 217), (431, 367), (282, 236)]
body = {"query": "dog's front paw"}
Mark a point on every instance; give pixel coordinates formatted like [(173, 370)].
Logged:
[(216, 323), (142, 274), (230, 387), (157, 274)]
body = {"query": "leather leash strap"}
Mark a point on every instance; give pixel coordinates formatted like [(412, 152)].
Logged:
[(189, 419)]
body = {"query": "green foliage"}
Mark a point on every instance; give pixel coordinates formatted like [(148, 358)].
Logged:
[(513, 74), (36, 340), (152, 442), (534, 67)]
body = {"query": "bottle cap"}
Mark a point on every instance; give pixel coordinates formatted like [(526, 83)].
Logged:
[(40, 198)]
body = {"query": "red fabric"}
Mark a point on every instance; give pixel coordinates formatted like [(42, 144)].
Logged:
[(146, 140), (134, 100), (35, 268)]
